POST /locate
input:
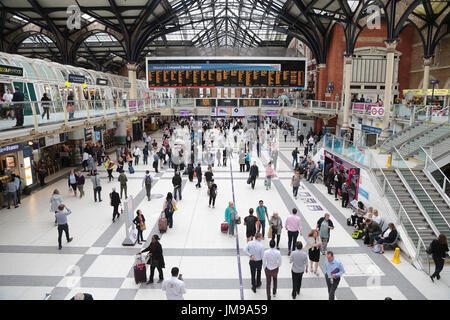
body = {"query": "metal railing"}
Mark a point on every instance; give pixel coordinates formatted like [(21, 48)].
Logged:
[(429, 165), (403, 219), (434, 214)]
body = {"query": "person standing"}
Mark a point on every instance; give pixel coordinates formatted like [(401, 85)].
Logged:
[(271, 265), (254, 174), (136, 154), (123, 184), (438, 250), (177, 184), (208, 176), (156, 259), (139, 222), (295, 157), (255, 250), (109, 166), (224, 159), (345, 196), (80, 183), (261, 212), (270, 174), (324, 225), (174, 286), (230, 217), (313, 246), (91, 163), (275, 158), (212, 191), (276, 224), (218, 156), (299, 261), (147, 182), (242, 161), (333, 272), (129, 139), (169, 208), (295, 183), (115, 202), (55, 201), (250, 221), (330, 180), (45, 105), (61, 219), (285, 134), (338, 179), (294, 227), (247, 161), (72, 182), (198, 172), (96, 185), (18, 106), (145, 153), (155, 161)]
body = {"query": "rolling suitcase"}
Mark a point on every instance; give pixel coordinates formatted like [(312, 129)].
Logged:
[(140, 270), (162, 224), (224, 227)]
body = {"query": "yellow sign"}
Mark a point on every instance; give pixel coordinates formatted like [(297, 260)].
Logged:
[(422, 92), (83, 85), (28, 172), (68, 84)]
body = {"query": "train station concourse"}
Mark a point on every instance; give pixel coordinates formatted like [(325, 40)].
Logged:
[(226, 150)]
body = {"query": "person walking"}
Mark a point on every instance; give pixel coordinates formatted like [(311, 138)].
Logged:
[(261, 212), (330, 180), (324, 225), (285, 134), (198, 173), (177, 183), (276, 225), (80, 183), (156, 259), (230, 217), (218, 156), (313, 245), (338, 179), (72, 182), (61, 219), (136, 154), (333, 272), (145, 153), (91, 163), (174, 286), (224, 157), (169, 208), (271, 265), (270, 174), (96, 185), (155, 161), (129, 139), (247, 161), (250, 222), (294, 227), (344, 194), (147, 182), (115, 202), (123, 184), (255, 250), (208, 176), (438, 250), (254, 174), (299, 261), (139, 222), (55, 201), (295, 183), (109, 166), (212, 192)]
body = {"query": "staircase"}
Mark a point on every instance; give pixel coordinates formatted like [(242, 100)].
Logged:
[(412, 210), (401, 137), (432, 201), (430, 137), (440, 149)]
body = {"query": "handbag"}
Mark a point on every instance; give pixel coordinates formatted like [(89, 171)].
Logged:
[(142, 226), (237, 219), (269, 234)]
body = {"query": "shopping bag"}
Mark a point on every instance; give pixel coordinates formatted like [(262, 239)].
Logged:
[(269, 234)]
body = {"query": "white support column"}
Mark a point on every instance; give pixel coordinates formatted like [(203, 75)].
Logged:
[(387, 101), (426, 74), (348, 59), (132, 67)]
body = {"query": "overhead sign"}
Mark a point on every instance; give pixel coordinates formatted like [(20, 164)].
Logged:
[(422, 92), (75, 78), (249, 102), (227, 102), (102, 82), (270, 102), (11, 71)]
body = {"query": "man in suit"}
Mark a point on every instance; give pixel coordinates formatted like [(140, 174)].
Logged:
[(115, 202), (18, 97)]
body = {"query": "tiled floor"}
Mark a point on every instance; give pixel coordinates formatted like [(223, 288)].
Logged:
[(96, 262)]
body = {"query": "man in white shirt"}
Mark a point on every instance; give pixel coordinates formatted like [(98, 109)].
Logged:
[(271, 265), (136, 154), (174, 286), (376, 217), (310, 142), (255, 250)]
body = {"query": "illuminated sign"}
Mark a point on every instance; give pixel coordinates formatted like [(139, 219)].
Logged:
[(11, 71), (28, 171)]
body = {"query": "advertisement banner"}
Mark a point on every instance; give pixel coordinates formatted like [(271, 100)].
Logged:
[(214, 66), (11, 71)]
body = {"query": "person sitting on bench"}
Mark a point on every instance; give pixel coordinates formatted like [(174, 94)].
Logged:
[(387, 237)]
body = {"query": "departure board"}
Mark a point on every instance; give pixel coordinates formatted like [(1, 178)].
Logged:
[(226, 75)]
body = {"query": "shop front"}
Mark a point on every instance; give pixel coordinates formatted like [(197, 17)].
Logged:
[(17, 159), (351, 173), (55, 152)]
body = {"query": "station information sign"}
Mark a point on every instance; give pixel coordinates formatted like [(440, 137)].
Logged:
[(236, 75)]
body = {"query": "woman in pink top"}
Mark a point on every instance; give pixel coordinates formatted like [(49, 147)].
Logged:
[(269, 175)]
